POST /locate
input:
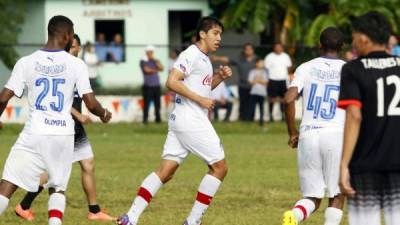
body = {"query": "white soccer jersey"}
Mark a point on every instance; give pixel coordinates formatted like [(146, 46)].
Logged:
[(198, 78), (50, 78), (319, 80)]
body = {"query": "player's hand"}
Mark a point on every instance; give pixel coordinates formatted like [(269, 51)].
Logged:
[(206, 103), (85, 119), (224, 72), (293, 140), (107, 117), (344, 182)]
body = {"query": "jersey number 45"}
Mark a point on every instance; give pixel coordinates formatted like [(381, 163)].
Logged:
[(314, 102)]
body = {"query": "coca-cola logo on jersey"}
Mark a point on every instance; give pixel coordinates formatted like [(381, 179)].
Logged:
[(207, 80)]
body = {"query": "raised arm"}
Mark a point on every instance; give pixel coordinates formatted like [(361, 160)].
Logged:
[(175, 84), (223, 73)]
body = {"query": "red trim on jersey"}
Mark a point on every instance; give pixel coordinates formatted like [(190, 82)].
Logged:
[(54, 213), (303, 210), (344, 103), (145, 194), (203, 198)]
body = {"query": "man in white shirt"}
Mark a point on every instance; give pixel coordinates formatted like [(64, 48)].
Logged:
[(278, 64), (46, 144), (321, 131), (189, 129)]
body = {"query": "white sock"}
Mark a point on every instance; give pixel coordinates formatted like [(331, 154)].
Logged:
[(56, 208), (207, 189), (303, 208), (3, 203), (333, 216), (147, 190)]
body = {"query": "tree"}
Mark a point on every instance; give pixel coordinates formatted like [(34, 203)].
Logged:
[(11, 18)]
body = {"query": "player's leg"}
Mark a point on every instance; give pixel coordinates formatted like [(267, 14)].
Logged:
[(7, 189), (312, 182), (365, 206), (172, 156), (58, 165), (207, 146), (331, 151), (391, 199), (157, 103), (23, 209)]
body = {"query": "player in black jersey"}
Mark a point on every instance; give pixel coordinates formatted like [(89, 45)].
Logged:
[(370, 93), (82, 153)]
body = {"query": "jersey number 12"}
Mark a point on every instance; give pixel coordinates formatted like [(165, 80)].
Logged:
[(393, 109)]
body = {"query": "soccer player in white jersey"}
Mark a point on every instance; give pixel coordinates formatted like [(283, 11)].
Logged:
[(46, 144), (321, 131), (190, 130)]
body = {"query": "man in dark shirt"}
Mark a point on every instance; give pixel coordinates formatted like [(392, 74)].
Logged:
[(244, 64), (370, 93), (151, 88)]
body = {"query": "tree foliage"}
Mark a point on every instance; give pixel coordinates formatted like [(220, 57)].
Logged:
[(11, 18)]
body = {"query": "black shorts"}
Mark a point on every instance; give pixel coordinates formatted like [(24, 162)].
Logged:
[(379, 189), (276, 88)]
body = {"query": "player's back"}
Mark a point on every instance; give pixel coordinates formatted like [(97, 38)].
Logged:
[(50, 78), (320, 79), (373, 83)]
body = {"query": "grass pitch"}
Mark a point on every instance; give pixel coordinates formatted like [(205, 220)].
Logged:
[(262, 181)]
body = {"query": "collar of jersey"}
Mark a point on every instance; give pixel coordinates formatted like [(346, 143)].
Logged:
[(328, 57), (378, 53), (49, 50), (200, 50)]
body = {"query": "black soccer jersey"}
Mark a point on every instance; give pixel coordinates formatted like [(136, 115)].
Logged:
[(373, 84), (80, 134)]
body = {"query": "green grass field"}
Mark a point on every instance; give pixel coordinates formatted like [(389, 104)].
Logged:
[(261, 184)]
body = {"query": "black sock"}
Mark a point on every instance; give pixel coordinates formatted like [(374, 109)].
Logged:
[(29, 198), (94, 208)]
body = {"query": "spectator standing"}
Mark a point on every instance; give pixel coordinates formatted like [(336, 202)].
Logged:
[(244, 63), (222, 97), (258, 78), (278, 64), (92, 61), (151, 88)]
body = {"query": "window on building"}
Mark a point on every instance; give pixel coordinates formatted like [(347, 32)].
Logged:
[(110, 40)]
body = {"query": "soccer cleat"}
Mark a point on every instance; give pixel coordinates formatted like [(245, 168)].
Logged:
[(289, 218), (124, 220), (100, 216), (24, 214)]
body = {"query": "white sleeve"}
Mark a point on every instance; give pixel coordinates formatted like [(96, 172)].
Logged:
[(184, 63), (298, 80), (289, 61), (82, 81), (16, 83)]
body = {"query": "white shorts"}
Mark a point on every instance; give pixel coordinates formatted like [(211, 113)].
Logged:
[(32, 155), (204, 144), (319, 154), (82, 150)]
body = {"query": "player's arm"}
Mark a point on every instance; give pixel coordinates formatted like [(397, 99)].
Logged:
[(85, 119), (175, 84), (351, 133), (290, 112), (223, 73), (95, 107), (5, 95)]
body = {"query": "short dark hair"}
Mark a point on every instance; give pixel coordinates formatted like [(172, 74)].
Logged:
[(76, 37), (331, 39), (58, 24), (375, 25), (207, 23)]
